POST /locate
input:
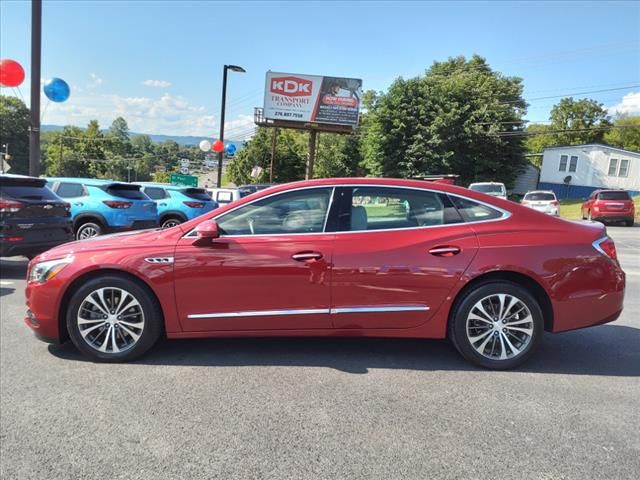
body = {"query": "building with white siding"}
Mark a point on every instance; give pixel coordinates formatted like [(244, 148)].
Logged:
[(577, 170)]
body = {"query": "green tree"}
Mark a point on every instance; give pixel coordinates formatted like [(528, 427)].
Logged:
[(14, 132), (118, 135), (627, 135), (63, 153), (458, 118), (585, 114)]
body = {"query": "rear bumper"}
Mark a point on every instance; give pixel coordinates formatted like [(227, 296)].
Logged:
[(11, 249), (612, 217)]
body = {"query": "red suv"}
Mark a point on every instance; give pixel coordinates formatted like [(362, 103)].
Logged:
[(346, 257), (609, 206)]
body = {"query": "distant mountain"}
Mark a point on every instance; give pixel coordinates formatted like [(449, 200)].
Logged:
[(179, 139)]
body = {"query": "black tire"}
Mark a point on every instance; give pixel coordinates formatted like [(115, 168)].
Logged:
[(629, 223), (169, 222), (462, 309), (89, 226), (153, 318)]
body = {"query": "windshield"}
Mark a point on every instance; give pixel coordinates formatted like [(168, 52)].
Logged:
[(491, 189)]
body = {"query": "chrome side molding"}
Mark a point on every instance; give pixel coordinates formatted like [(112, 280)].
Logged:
[(313, 311)]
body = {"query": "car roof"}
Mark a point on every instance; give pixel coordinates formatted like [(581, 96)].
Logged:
[(167, 186), (84, 181), (487, 183), (540, 191)]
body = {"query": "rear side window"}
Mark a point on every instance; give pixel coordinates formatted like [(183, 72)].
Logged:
[(197, 193), (155, 193), (475, 212), (614, 196), (126, 191), (539, 197), (70, 190), (26, 192), (384, 208)]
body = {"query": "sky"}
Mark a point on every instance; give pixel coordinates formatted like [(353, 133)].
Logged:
[(159, 63)]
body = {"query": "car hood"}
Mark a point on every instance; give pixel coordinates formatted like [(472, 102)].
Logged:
[(115, 241)]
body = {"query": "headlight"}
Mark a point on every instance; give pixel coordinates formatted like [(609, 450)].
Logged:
[(43, 271)]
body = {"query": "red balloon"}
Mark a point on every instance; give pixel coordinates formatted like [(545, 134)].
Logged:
[(217, 146), (11, 73)]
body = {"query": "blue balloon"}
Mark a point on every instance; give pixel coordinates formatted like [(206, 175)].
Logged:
[(231, 149), (56, 90)]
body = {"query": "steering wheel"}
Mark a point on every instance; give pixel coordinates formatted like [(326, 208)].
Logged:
[(295, 221)]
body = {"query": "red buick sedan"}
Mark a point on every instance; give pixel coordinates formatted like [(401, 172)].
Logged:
[(351, 257)]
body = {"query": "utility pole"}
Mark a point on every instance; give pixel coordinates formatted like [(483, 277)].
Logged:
[(36, 53), (233, 68)]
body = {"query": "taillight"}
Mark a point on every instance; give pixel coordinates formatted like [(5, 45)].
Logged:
[(555, 202), (194, 204), (607, 247), (9, 206), (117, 204)]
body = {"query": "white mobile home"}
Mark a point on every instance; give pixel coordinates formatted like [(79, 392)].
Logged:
[(575, 171)]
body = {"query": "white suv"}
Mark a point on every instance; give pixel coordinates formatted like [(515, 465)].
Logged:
[(495, 189), (544, 201)]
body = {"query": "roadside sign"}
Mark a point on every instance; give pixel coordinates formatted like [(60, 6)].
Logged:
[(187, 180), (256, 171), (184, 162), (184, 170)]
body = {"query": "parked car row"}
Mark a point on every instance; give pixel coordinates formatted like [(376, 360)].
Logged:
[(39, 213)]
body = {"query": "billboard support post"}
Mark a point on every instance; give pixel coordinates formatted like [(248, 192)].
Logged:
[(311, 156), (273, 153)]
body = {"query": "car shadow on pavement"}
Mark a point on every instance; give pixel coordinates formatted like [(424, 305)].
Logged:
[(612, 350), (14, 268)]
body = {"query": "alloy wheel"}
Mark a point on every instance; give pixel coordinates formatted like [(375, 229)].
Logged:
[(171, 223), (110, 320), (87, 231), (500, 326)]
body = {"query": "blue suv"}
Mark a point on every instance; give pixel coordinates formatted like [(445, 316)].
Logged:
[(104, 206), (177, 203)]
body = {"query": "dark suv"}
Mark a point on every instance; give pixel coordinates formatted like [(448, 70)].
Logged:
[(32, 218)]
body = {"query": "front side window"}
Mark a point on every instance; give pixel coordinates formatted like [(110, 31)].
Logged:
[(563, 163), (573, 163), (613, 167), (624, 168), (300, 211), (70, 190), (385, 208)]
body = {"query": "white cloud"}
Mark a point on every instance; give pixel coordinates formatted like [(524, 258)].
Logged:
[(96, 81), (240, 128), (630, 105), (156, 83)]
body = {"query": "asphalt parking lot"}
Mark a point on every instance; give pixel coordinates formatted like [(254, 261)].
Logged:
[(322, 408)]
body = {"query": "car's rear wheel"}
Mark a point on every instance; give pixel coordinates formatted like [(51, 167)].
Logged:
[(629, 223), (497, 325), (88, 230), (113, 319), (170, 222)]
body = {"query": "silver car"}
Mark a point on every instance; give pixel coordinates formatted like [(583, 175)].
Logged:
[(544, 201)]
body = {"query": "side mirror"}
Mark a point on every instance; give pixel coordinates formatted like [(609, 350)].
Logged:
[(206, 232)]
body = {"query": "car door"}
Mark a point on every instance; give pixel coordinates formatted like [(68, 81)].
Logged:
[(398, 253), (269, 269)]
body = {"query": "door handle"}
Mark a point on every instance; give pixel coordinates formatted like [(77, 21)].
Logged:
[(304, 256), (445, 251)]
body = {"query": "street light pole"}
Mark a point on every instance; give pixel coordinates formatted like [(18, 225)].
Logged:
[(233, 68), (36, 51)]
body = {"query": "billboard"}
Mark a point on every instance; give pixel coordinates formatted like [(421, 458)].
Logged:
[(312, 98)]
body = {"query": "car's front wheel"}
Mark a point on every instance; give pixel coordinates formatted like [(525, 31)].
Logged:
[(113, 319), (496, 325)]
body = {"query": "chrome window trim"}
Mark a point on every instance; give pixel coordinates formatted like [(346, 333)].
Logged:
[(505, 213), (312, 311)]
